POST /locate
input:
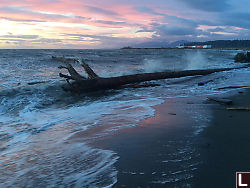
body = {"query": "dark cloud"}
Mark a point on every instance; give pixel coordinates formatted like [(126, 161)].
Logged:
[(12, 40), (217, 29), (80, 37), (145, 30), (28, 40), (107, 22), (176, 27), (175, 30), (208, 5), (145, 9), (174, 20), (12, 9), (50, 1), (170, 25), (25, 10), (237, 19), (168, 30), (101, 11), (19, 36), (95, 37), (47, 41)]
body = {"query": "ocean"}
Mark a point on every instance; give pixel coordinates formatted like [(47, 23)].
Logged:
[(40, 123)]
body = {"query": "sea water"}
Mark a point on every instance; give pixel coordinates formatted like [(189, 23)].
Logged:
[(40, 123)]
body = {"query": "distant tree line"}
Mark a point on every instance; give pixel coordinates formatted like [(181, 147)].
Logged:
[(223, 43)]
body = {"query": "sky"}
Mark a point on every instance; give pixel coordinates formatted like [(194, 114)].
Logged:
[(81, 24)]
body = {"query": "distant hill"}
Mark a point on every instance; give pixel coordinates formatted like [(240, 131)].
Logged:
[(215, 44), (177, 43), (159, 44), (223, 43)]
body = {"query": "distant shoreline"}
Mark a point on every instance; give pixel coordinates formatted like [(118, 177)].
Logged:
[(185, 48), (128, 49)]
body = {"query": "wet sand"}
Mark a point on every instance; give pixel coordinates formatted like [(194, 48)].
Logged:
[(166, 151), (162, 151), (229, 139)]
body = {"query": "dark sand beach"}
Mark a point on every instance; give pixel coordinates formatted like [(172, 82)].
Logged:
[(229, 152), (167, 151), (162, 151)]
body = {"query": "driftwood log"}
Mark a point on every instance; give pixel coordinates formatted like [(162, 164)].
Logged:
[(233, 87), (240, 108), (79, 84)]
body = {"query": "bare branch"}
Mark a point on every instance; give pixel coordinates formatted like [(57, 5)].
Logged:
[(88, 70), (74, 75), (67, 80), (66, 76), (240, 108)]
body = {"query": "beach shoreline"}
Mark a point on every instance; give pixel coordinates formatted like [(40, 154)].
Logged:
[(177, 146), (161, 150), (228, 138)]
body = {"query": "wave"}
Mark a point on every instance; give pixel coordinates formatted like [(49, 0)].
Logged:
[(44, 164)]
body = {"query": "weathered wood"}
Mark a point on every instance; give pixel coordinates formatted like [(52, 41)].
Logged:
[(38, 82), (66, 76), (240, 108), (114, 82), (88, 70), (73, 73), (93, 83), (233, 87)]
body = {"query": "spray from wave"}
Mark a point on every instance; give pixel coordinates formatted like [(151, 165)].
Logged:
[(153, 65), (195, 60)]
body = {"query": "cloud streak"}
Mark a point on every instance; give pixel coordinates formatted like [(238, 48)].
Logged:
[(97, 10)]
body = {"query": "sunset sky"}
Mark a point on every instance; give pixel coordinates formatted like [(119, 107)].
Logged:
[(118, 23)]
